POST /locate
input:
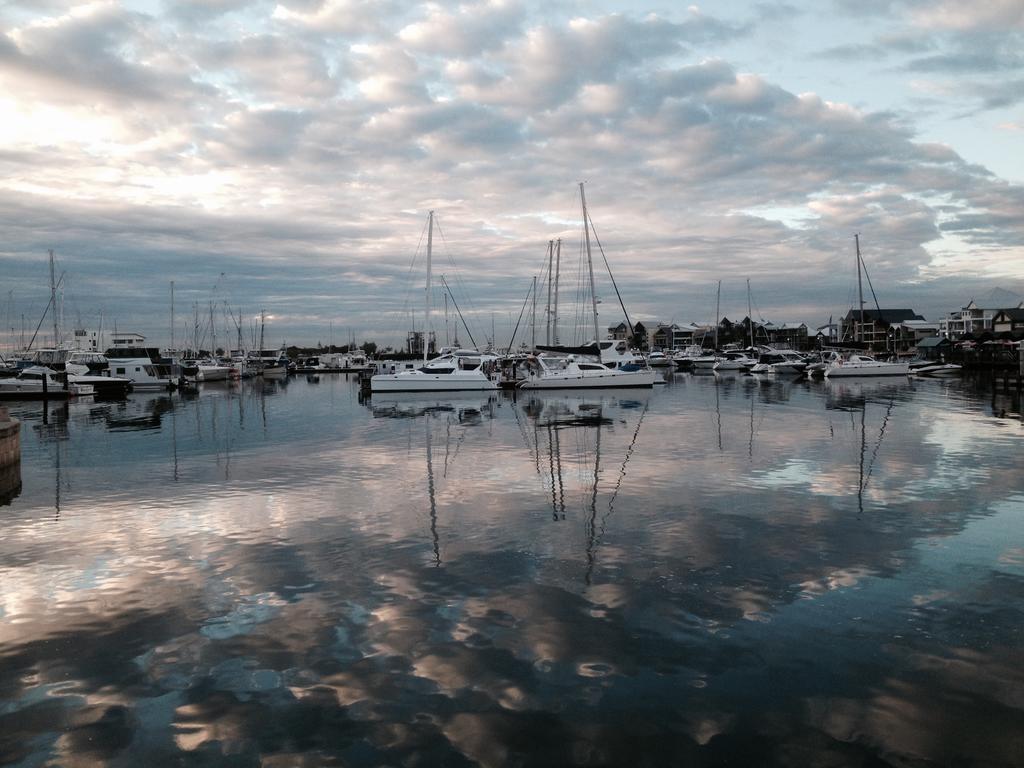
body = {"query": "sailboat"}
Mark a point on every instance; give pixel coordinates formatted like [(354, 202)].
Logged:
[(615, 365), (447, 375), (856, 365)]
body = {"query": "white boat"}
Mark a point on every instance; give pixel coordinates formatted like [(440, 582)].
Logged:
[(148, 371), (37, 382), (782, 362), (545, 372), (658, 360), (938, 370), (735, 361), (435, 376), (864, 365)]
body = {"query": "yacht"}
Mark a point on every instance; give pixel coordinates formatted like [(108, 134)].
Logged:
[(784, 362), (451, 372), (735, 361), (448, 373), (38, 382), (864, 365), (148, 371), (658, 359), (545, 372)]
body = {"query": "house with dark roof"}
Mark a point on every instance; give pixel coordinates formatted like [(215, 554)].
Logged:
[(1009, 321), (875, 329)]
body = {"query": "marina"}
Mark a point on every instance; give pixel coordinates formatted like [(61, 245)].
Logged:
[(296, 570)]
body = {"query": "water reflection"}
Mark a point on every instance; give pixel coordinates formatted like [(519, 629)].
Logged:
[(720, 571)]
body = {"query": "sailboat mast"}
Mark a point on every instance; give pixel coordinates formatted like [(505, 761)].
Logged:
[(590, 261), (558, 269), (533, 324), (860, 287), (750, 316), (430, 250), (718, 301), (551, 278), (172, 314), (53, 303)]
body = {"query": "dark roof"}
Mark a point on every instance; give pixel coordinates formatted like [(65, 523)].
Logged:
[(886, 315), (934, 341), (1013, 314)]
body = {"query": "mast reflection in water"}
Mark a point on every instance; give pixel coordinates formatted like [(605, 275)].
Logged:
[(721, 571)]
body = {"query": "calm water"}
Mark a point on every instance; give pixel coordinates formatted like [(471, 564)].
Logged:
[(716, 572)]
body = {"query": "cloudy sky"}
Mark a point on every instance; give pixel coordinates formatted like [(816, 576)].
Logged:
[(283, 156)]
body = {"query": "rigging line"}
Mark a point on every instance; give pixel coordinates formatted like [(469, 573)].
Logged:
[(610, 275), (515, 330), (463, 319), (878, 445), (622, 469), (865, 268), (459, 282), (40, 324), (412, 264)]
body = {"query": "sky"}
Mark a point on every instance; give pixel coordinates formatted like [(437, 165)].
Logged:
[(282, 157)]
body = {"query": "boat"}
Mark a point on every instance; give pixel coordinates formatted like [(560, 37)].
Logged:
[(612, 363), (272, 363), (556, 372), (658, 359), (864, 365), (785, 362), (40, 383), (147, 369), (735, 361), (453, 374), (938, 370)]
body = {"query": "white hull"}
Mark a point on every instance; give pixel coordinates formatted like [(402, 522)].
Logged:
[(950, 369), (591, 380), (417, 381), (213, 373), (860, 370)]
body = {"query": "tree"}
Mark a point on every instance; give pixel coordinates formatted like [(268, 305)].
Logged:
[(368, 347)]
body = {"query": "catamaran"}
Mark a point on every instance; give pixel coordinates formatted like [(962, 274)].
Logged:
[(454, 374)]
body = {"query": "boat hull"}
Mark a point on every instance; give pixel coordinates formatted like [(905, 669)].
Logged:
[(430, 382), (863, 371), (598, 381)]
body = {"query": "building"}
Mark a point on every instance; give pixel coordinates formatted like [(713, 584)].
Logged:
[(875, 331), (906, 336), (119, 340), (792, 335), (1009, 321), (978, 316), (934, 347)]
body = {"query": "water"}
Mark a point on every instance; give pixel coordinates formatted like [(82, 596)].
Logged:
[(718, 572)]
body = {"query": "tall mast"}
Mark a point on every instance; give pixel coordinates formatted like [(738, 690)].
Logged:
[(590, 262), (430, 250), (53, 303), (750, 316), (860, 288), (263, 322), (172, 314), (533, 336), (558, 269), (551, 278), (718, 301)]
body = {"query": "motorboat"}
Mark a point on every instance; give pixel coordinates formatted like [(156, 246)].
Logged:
[(147, 369), (40, 383), (937, 369), (734, 361), (439, 376), (554, 372), (816, 370), (658, 359), (783, 362), (865, 365)]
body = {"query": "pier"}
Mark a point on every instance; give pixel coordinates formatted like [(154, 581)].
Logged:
[(10, 456)]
